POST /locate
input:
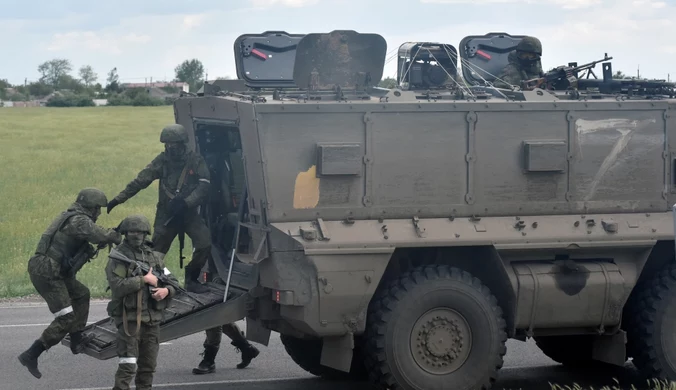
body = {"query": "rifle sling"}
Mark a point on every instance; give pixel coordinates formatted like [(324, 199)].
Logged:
[(139, 303), (180, 183)]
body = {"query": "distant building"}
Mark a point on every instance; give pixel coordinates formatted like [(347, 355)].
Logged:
[(161, 84)]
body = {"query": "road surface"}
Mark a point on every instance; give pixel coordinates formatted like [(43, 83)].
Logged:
[(525, 366)]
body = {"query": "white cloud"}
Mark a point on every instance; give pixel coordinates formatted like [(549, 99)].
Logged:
[(95, 41), (285, 3), (566, 4), (191, 22)]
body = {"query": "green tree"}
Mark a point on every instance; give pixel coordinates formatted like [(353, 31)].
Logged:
[(39, 89), (113, 81), (191, 72), (71, 83), (388, 82), (87, 75), (52, 71), (4, 84)]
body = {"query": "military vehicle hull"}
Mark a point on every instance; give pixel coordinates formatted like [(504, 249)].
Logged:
[(404, 235), (550, 212)]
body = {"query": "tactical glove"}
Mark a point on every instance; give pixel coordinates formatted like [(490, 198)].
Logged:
[(112, 204), (177, 205)]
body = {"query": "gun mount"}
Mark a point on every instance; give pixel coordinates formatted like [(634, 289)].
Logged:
[(427, 65)]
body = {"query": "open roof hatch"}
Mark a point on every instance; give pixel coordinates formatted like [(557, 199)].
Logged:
[(427, 65), (484, 56), (342, 58), (266, 60)]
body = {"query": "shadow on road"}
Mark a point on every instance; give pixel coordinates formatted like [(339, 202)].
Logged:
[(531, 378), (527, 378)]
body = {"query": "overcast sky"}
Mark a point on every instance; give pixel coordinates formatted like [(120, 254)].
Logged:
[(148, 38)]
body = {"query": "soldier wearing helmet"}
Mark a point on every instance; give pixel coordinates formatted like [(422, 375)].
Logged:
[(184, 185), (524, 64), (68, 237), (137, 336), (169, 168)]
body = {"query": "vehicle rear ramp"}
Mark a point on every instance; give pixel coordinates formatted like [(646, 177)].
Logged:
[(188, 313)]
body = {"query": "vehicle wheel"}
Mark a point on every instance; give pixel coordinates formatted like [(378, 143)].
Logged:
[(307, 354), (651, 323), (435, 327)]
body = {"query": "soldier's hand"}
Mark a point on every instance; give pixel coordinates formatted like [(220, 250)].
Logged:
[(160, 293), (117, 239), (150, 279), (112, 204), (177, 205)]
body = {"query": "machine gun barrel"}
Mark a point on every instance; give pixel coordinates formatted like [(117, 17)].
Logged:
[(591, 65), (561, 77)]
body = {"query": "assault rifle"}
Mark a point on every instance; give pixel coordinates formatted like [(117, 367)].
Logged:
[(161, 277), (72, 265), (562, 77), (145, 268)]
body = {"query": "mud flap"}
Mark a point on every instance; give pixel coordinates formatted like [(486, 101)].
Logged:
[(184, 316)]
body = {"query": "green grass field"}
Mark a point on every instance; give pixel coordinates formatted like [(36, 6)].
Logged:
[(48, 155)]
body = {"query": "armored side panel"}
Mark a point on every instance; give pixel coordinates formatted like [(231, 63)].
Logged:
[(398, 160), (484, 56), (427, 65), (266, 60)]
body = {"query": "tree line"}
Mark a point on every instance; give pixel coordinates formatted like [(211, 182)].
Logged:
[(80, 89)]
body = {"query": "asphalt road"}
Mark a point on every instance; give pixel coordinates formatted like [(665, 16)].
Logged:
[(525, 366)]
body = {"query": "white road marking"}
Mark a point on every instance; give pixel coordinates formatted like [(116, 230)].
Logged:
[(28, 325), (227, 382), (42, 304)]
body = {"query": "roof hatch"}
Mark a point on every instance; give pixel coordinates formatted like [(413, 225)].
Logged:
[(341, 58), (484, 56), (266, 60)]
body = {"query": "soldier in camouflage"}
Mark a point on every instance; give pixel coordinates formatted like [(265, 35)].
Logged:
[(184, 184), (137, 305), (213, 341), (67, 237), (524, 64)]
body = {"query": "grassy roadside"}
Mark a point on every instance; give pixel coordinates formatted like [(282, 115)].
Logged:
[(48, 155)]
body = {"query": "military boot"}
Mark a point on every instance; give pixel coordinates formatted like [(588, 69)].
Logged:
[(249, 352), (77, 342), (29, 358), (191, 283), (207, 365)]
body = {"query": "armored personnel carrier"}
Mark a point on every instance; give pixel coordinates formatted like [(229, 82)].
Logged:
[(404, 235)]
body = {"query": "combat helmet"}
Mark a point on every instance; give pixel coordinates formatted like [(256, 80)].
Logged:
[(174, 133), (91, 197), (530, 45), (134, 223)]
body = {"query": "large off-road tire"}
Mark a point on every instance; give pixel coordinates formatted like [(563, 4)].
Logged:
[(307, 354), (650, 325), (435, 327)]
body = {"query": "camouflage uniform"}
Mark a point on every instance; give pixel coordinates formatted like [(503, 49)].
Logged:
[(138, 326), (212, 344), (173, 165), (66, 297), (518, 70)]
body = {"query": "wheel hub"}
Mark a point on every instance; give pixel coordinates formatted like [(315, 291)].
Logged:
[(441, 341)]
